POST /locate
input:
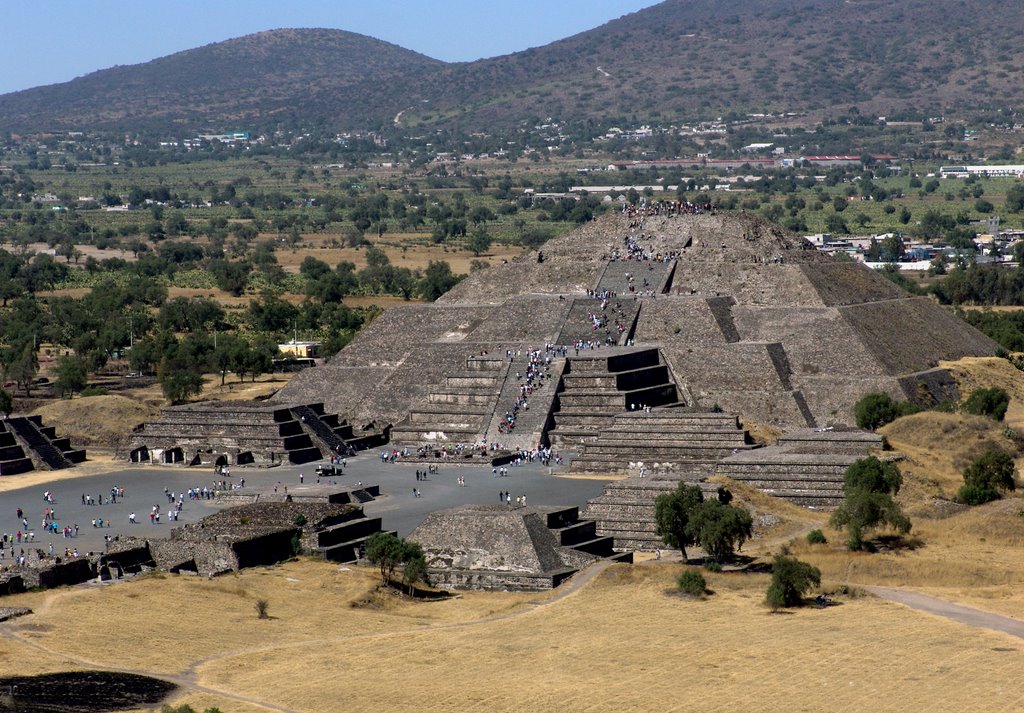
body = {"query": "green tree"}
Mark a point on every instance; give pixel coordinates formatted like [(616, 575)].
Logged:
[(1015, 198), (72, 375), (720, 529), (437, 279), (791, 580), (672, 513), (875, 410), (388, 551), (415, 568), (479, 241), (23, 366), (987, 402), (692, 582), (868, 489), (987, 477), (179, 379)]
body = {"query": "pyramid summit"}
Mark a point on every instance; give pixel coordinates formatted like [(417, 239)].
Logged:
[(647, 308)]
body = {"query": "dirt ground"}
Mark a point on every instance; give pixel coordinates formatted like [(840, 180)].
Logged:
[(621, 642)]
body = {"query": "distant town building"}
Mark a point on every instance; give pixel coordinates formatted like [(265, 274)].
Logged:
[(302, 350)]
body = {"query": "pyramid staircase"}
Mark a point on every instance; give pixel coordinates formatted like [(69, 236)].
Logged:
[(242, 433), (41, 444), (625, 511), (12, 456), (662, 439), (597, 386), (805, 467), (458, 411), (581, 535)]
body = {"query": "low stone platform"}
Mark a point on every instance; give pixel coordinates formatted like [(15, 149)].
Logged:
[(507, 548)]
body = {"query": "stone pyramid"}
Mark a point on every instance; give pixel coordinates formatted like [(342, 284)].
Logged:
[(745, 316)]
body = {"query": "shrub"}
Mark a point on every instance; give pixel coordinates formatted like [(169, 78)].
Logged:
[(876, 409), (791, 579), (816, 537), (93, 391), (985, 478), (300, 520), (988, 402), (692, 583), (261, 608), (713, 566)]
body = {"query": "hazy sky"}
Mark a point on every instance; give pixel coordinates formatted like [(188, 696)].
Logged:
[(53, 41)]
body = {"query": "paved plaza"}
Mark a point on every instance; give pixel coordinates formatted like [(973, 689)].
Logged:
[(144, 487)]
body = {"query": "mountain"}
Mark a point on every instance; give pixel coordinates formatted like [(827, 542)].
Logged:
[(678, 59), (258, 79)]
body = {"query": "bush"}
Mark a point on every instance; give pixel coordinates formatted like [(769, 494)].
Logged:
[(985, 478), (692, 583), (791, 579), (93, 391), (261, 608), (713, 566), (988, 402), (875, 410), (816, 537)]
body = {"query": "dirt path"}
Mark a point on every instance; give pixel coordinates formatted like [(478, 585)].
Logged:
[(957, 612)]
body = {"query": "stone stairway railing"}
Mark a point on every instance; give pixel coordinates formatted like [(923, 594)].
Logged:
[(38, 443), (319, 431)]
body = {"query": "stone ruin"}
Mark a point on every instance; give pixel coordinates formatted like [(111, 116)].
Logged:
[(673, 331), (247, 433), (263, 529), (737, 314), (27, 444), (501, 547)]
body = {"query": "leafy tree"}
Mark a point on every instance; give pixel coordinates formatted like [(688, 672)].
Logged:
[(721, 529), (791, 579), (179, 379), (987, 477), (987, 402), (437, 279), (415, 568), (877, 409), (388, 551), (868, 489), (479, 241), (72, 374), (672, 512), (834, 223), (1015, 198), (22, 366)]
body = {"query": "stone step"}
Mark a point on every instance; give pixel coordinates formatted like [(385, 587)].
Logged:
[(410, 433), (471, 380), (463, 396)]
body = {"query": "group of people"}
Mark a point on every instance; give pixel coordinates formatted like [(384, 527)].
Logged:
[(505, 497), (645, 208)]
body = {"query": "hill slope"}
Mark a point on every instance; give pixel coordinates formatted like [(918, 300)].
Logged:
[(256, 80), (681, 58)]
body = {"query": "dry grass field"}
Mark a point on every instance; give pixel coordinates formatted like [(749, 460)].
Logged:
[(623, 641)]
